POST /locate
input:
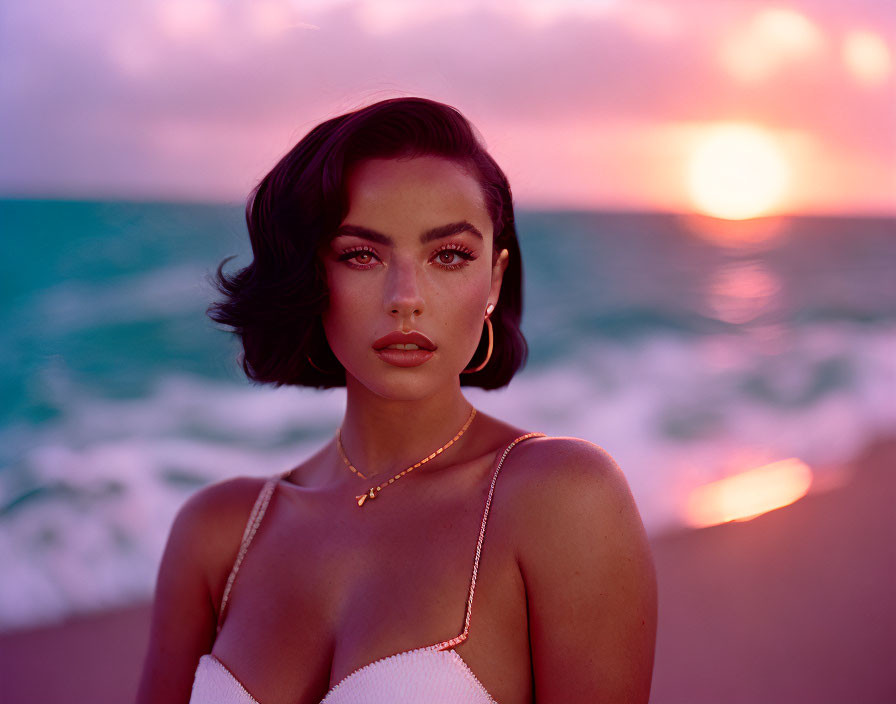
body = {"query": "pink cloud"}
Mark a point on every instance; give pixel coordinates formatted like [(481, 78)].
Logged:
[(196, 99)]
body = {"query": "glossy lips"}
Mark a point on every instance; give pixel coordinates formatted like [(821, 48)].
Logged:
[(404, 357)]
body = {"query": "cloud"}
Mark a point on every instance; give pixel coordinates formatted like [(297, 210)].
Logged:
[(197, 98)]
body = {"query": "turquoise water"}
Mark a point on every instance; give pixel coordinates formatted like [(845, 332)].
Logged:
[(686, 355)]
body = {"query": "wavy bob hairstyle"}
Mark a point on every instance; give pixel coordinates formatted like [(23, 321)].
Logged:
[(274, 304)]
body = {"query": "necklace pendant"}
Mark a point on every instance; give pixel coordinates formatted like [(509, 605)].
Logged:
[(363, 497), (373, 491)]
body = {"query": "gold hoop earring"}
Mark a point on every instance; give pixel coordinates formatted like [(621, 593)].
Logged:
[(488, 356)]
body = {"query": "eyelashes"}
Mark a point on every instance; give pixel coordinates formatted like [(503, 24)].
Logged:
[(364, 256), (354, 252), (461, 254)]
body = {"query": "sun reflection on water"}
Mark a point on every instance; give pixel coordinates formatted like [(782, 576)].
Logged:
[(749, 494)]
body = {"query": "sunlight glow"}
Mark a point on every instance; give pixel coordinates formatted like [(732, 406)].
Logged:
[(866, 55), (736, 172), (749, 494), (741, 291), (787, 30), (774, 37)]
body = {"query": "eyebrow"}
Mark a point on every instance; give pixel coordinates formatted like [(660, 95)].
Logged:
[(436, 233)]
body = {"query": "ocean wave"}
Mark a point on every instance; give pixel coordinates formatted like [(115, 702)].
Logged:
[(88, 498)]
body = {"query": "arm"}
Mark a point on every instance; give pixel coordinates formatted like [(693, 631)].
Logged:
[(590, 581), (202, 544)]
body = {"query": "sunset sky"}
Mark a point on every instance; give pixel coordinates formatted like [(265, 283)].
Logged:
[(637, 104)]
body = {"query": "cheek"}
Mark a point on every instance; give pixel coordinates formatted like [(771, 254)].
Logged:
[(345, 306), (464, 317)]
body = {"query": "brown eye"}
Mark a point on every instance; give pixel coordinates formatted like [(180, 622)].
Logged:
[(452, 258), (359, 258)]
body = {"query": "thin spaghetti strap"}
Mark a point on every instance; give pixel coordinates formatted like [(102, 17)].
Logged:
[(258, 511), (488, 502)]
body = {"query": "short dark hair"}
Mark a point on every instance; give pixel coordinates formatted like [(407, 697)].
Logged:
[(274, 304)]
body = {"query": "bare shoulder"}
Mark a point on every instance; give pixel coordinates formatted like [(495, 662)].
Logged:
[(589, 577), (565, 471), (205, 536), (566, 488), (218, 505), (202, 544), (213, 519)]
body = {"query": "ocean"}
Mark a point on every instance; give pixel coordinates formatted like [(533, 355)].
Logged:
[(689, 348)]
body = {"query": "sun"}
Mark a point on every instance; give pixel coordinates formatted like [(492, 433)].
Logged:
[(736, 172)]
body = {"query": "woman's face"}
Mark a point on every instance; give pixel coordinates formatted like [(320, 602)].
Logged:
[(413, 254)]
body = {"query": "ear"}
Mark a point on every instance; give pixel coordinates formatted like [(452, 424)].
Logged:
[(498, 276)]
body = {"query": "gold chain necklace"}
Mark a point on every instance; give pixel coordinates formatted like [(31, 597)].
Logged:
[(373, 491)]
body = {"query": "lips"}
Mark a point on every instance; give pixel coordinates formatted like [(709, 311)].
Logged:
[(404, 349), (404, 341)]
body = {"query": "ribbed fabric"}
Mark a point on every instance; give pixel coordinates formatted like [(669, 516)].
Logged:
[(434, 674), (215, 684), (431, 676), (424, 675)]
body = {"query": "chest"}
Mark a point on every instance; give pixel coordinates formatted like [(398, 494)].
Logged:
[(328, 588)]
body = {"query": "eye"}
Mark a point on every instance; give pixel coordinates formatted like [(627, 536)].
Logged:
[(358, 257), (453, 256)]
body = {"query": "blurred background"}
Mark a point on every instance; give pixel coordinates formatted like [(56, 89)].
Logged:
[(706, 196)]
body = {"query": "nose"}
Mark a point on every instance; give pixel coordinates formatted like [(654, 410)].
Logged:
[(403, 296)]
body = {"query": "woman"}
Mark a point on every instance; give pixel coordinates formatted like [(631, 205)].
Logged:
[(386, 261)]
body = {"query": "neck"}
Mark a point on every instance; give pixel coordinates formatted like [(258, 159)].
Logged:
[(383, 435)]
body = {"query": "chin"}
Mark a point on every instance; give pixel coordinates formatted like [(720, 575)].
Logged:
[(403, 384)]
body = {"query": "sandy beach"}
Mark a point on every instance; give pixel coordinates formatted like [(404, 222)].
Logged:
[(796, 605)]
